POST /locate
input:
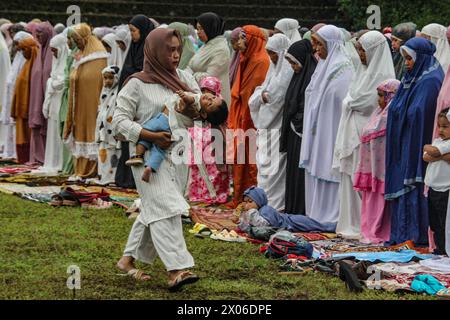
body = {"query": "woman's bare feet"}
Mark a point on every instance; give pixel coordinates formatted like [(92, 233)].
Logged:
[(126, 265), (146, 175)]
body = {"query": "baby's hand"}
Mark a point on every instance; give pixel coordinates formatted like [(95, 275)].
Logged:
[(185, 97)]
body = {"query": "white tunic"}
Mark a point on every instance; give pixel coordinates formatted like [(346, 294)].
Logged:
[(438, 173), (137, 103)]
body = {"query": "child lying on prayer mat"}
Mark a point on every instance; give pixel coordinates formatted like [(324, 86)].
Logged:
[(257, 211)]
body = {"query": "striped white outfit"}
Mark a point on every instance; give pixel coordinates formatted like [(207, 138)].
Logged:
[(163, 200)]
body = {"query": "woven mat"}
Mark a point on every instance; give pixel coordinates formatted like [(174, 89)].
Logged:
[(214, 218)]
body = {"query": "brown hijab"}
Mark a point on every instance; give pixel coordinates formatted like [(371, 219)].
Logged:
[(157, 66)]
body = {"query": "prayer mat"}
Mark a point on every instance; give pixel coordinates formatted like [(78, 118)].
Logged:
[(11, 188), (15, 170), (214, 218), (401, 282), (124, 194), (312, 236), (33, 180)]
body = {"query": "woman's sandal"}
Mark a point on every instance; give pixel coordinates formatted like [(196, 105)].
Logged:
[(139, 275), (182, 279)]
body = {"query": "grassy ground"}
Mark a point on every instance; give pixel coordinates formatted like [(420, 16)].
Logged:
[(38, 243)]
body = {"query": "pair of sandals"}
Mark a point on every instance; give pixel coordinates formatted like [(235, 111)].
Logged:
[(229, 236)]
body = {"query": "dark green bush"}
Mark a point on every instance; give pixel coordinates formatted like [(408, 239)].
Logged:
[(421, 12)]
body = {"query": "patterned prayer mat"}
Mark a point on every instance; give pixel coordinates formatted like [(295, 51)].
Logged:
[(214, 218)]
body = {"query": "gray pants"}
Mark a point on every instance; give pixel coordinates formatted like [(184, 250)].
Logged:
[(163, 238)]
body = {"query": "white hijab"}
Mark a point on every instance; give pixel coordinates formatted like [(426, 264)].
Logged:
[(350, 48), (5, 66), (59, 64), (323, 102), (116, 57), (123, 34), (269, 115), (362, 97), (438, 34), (16, 67), (289, 27), (55, 83)]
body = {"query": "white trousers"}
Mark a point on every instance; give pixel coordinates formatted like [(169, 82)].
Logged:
[(163, 238)]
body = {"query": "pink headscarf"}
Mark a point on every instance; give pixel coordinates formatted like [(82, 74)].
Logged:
[(39, 76), (31, 28), (448, 31), (236, 59), (317, 27), (443, 101), (212, 84)]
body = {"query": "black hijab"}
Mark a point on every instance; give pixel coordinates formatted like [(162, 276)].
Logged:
[(294, 103), (212, 24), (134, 61)]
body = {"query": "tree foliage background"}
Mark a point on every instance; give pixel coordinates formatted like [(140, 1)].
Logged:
[(421, 12)]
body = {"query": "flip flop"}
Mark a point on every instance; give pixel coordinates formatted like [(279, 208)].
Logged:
[(183, 279), (203, 233)]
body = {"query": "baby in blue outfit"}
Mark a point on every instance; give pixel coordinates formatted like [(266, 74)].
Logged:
[(195, 106)]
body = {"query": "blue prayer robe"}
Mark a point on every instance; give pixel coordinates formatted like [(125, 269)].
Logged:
[(409, 127)]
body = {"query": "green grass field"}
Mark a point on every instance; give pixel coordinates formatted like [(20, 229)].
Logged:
[(38, 243)]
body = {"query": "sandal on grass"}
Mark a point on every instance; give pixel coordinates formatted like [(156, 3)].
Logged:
[(204, 233), (197, 227), (229, 236), (138, 275), (182, 279)]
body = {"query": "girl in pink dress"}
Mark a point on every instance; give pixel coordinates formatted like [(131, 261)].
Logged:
[(218, 173), (369, 178)]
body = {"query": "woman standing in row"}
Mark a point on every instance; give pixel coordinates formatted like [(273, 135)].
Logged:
[(323, 104), (39, 77), (266, 105), (85, 83), (213, 59), (253, 68), (140, 27), (409, 128), (301, 57), (360, 102)]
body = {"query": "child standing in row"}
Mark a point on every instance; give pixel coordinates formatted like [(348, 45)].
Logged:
[(438, 179), (109, 148)]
